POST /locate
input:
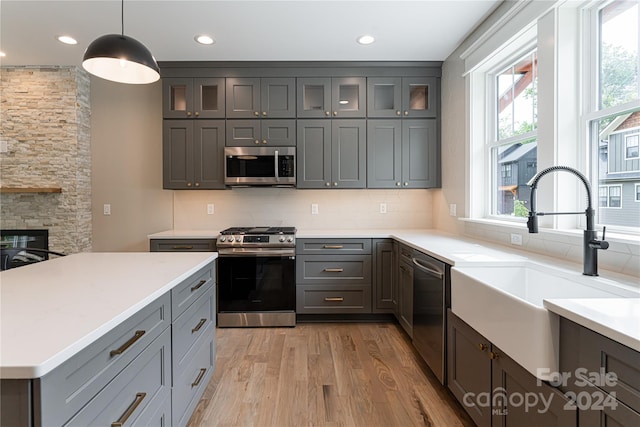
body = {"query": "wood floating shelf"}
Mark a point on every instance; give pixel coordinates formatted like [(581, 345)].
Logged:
[(30, 190)]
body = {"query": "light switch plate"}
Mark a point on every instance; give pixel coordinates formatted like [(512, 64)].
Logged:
[(106, 209), (314, 209), (452, 209)]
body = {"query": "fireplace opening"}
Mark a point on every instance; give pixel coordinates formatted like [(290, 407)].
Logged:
[(34, 239)]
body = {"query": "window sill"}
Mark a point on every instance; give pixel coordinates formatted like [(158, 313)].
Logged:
[(628, 239)]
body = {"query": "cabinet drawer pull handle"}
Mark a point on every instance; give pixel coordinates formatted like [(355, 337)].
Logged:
[(128, 344), (334, 270), (334, 299), (199, 285), (493, 356), (198, 326), (130, 410), (332, 247), (186, 247), (199, 377)]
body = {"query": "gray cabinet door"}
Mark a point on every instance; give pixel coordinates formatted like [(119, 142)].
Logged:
[(208, 154), (468, 367), (314, 153), (405, 297), (314, 97), (384, 97), (278, 97), (420, 154), (384, 280), (384, 153), (177, 154), (349, 154), (185, 98), (278, 132), (243, 133), (420, 97), (517, 383), (348, 97), (243, 98)]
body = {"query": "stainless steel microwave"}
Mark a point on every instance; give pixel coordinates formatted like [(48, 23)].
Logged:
[(263, 166)]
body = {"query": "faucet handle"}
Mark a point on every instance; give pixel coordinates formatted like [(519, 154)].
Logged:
[(604, 230)]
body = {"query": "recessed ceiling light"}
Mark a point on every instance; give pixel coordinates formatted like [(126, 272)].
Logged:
[(204, 39), (366, 39), (66, 40)]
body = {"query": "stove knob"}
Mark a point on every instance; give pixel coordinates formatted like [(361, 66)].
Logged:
[(223, 239), (290, 239), (231, 239), (281, 239)]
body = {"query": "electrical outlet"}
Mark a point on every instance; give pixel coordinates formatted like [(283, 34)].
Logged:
[(106, 209), (314, 209), (516, 239), (452, 209), (383, 208), (210, 209)]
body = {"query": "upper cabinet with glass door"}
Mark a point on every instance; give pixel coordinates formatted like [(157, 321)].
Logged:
[(408, 97), (337, 97), (192, 98)]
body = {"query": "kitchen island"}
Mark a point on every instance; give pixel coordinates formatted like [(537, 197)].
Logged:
[(87, 337)]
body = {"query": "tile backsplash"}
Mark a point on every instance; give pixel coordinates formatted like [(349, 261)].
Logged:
[(337, 209)]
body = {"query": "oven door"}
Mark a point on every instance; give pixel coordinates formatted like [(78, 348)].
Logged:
[(259, 166), (256, 289)]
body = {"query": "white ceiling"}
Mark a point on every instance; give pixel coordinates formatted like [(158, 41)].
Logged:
[(263, 30)]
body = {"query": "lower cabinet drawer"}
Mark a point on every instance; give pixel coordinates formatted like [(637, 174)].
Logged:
[(141, 385), (66, 389), (182, 245), (324, 299), (188, 329), (185, 293), (328, 269), (190, 385)]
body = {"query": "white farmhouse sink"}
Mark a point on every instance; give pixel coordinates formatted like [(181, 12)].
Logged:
[(505, 304)]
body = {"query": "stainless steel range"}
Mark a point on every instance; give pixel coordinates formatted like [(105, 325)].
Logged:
[(256, 277)]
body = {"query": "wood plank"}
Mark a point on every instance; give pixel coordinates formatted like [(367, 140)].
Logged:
[(349, 374), (30, 190)]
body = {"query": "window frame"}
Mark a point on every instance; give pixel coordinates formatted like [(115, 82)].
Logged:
[(636, 192), (637, 145)]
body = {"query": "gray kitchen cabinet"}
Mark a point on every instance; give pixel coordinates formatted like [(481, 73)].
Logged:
[(333, 276), (384, 278), (325, 97), (141, 385), (415, 97), (331, 154), (605, 376), (251, 133), (493, 388), (182, 245), (193, 154), (254, 97), (405, 290), (190, 98), (402, 154)]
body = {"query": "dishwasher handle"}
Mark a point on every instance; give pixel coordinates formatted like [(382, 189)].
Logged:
[(427, 269)]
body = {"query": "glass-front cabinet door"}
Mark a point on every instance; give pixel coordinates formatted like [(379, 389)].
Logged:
[(384, 97), (419, 97), (338, 97), (191, 98)]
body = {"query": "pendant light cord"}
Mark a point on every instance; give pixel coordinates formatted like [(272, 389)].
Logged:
[(122, 16)]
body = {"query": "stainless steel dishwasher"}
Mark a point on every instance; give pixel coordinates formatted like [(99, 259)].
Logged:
[(431, 296)]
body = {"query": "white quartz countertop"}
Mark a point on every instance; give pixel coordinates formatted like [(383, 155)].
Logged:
[(615, 318), (601, 315), (51, 310)]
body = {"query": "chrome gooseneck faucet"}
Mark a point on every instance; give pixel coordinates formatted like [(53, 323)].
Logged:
[(591, 244)]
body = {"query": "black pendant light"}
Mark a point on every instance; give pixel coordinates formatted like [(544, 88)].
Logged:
[(121, 59)]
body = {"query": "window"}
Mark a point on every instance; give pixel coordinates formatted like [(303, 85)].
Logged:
[(512, 149), (613, 121), (610, 196), (631, 147), (637, 192)]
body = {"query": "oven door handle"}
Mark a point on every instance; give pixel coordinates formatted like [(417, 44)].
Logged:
[(275, 159), (240, 252)]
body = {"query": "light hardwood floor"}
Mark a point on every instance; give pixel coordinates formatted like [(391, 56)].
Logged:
[(323, 374)]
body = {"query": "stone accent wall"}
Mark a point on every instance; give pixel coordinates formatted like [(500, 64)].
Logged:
[(46, 142)]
